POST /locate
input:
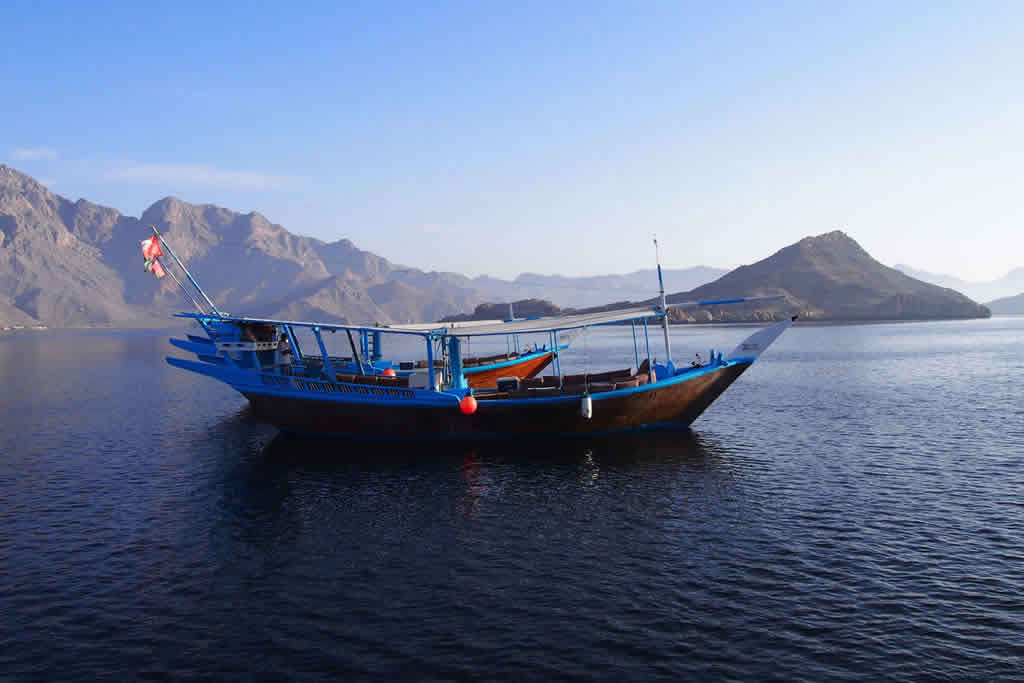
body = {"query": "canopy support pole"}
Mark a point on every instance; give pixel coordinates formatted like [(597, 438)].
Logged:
[(647, 340), (636, 351), (558, 361), (455, 363), (323, 353), (430, 362), (296, 351), (355, 354)]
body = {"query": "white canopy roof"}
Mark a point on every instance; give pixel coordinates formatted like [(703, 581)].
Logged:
[(469, 328), (476, 328), (479, 328)]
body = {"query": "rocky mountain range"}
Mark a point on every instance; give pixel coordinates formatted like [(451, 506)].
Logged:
[(65, 263), (828, 278)]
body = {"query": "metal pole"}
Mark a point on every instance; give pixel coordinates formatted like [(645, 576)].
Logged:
[(664, 306), (355, 354), (551, 341), (647, 340), (455, 362), (187, 274), (636, 351), (558, 361), (323, 351), (296, 351), (190, 297), (430, 362)]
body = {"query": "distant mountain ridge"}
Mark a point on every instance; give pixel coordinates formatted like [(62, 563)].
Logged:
[(1010, 305), (77, 263), (827, 277), (599, 289), (1010, 284)]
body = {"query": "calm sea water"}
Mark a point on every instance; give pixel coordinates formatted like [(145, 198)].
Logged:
[(850, 509)]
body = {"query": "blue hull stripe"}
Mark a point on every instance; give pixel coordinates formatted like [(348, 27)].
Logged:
[(250, 382), (194, 347)]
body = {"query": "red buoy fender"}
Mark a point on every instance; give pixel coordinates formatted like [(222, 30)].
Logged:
[(388, 372), (467, 405)]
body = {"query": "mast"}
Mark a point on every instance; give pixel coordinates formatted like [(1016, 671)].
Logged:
[(187, 274), (664, 305), (187, 293)]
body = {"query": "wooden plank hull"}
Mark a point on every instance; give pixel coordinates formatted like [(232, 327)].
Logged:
[(675, 403), (488, 379)]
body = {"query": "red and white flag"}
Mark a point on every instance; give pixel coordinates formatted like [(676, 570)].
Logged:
[(151, 248), (151, 253)]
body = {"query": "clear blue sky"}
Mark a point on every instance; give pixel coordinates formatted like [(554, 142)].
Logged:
[(545, 137)]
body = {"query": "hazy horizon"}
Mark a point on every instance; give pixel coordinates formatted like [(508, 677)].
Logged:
[(550, 140)]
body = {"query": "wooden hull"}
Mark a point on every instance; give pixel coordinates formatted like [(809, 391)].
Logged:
[(488, 379), (676, 403)]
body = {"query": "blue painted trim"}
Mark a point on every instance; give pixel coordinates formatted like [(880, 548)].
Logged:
[(716, 302), (251, 382), (193, 347)]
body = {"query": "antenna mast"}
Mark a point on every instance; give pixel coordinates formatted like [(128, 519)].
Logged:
[(187, 274), (664, 305)]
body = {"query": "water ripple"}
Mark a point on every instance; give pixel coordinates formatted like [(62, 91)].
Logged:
[(850, 510)]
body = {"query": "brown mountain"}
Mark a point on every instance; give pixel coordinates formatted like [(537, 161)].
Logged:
[(829, 277), (51, 258), (77, 263), (64, 263)]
